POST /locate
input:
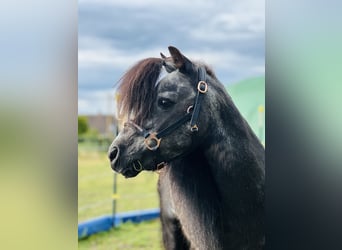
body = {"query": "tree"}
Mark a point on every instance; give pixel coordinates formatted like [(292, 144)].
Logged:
[(82, 125)]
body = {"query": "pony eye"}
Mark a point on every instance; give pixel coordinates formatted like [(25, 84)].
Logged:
[(165, 103)]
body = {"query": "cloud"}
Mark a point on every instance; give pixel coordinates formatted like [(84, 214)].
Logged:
[(127, 23), (83, 104), (112, 57), (151, 4), (230, 27), (96, 102), (115, 34)]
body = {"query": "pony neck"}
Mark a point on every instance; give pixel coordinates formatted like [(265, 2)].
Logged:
[(235, 155)]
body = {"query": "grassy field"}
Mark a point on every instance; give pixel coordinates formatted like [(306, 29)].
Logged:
[(95, 189), (145, 236)]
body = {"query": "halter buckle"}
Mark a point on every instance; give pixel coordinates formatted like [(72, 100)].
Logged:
[(201, 85), (154, 140)]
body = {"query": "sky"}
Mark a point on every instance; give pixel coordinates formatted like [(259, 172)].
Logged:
[(114, 34)]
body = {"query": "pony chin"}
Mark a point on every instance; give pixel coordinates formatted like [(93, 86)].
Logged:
[(136, 167), (129, 172)]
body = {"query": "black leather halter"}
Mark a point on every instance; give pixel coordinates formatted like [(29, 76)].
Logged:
[(152, 140)]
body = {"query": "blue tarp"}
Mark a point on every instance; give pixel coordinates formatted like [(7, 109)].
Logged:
[(104, 223)]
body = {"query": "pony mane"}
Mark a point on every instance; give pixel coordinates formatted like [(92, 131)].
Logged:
[(137, 89), (208, 69)]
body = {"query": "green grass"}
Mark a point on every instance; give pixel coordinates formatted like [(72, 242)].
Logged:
[(95, 189), (146, 236)]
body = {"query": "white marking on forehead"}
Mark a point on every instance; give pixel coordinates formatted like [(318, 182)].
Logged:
[(162, 74)]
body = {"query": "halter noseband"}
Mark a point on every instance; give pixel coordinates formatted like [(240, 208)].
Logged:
[(152, 140)]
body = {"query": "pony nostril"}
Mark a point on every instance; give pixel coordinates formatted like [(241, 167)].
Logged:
[(114, 154)]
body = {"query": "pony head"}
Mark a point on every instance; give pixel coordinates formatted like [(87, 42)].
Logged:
[(164, 117)]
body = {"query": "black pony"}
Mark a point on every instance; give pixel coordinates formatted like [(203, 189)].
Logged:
[(211, 164)]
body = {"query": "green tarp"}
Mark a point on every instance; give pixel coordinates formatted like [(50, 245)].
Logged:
[(249, 97)]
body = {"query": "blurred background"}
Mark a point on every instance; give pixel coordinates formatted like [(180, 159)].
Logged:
[(112, 37)]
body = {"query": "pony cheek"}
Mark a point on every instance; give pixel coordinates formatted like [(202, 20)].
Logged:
[(175, 146)]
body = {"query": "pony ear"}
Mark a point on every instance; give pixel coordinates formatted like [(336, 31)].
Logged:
[(181, 62), (168, 63)]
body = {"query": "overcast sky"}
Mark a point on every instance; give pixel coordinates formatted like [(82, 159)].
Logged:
[(115, 34)]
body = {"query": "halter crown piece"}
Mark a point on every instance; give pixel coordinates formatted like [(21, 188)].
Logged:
[(152, 140)]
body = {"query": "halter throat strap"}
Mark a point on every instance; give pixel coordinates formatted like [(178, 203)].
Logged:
[(202, 88)]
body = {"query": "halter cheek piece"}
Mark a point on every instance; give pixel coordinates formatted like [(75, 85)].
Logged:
[(152, 140)]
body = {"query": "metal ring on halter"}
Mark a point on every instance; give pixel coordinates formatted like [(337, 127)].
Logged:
[(152, 137), (190, 108), (160, 167), (204, 84), (140, 166), (194, 128)]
